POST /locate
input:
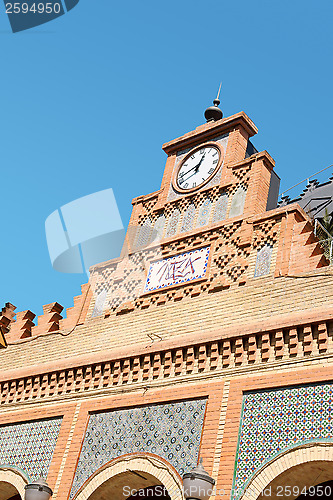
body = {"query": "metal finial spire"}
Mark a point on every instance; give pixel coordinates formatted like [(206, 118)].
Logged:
[(213, 113), (218, 94)]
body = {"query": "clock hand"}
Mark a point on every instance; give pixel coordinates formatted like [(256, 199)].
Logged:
[(202, 158), (190, 169), (194, 173), (190, 176), (196, 166)]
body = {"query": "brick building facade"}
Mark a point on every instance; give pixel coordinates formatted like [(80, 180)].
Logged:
[(211, 336)]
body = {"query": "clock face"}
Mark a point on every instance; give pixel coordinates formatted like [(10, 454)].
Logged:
[(197, 167)]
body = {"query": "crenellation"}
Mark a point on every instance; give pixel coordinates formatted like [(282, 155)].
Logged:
[(21, 328)]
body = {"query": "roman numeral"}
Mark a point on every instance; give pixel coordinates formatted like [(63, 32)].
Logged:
[(186, 185), (215, 161), (211, 170), (194, 184), (192, 157), (214, 153)]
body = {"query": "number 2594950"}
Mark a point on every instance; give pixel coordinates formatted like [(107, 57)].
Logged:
[(35, 8)]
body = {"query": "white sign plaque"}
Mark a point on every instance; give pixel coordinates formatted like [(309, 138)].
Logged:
[(178, 269)]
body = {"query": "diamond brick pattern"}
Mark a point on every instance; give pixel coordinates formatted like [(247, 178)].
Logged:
[(172, 431), (180, 219), (275, 421), (29, 446)]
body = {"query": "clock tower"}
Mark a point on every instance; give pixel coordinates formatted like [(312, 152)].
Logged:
[(196, 230)]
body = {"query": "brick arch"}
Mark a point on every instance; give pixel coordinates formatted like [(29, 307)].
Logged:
[(295, 467), (153, 465), (15, 480)]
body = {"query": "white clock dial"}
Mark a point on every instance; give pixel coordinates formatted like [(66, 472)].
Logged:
[(198, 167)]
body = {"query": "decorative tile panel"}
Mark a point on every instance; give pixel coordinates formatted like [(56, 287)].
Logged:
[(188, 219), (171, 431), (157, 233), (178, 269), (204, 213), (29, 446), (173, 223), (220, 210), (144, 233), (277, 420), (237, 202), (99, 304), (263, 262)]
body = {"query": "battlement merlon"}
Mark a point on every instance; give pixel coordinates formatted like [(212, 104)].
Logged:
[(18, 326)]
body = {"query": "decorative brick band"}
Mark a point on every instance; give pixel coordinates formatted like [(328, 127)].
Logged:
[(206, 357)]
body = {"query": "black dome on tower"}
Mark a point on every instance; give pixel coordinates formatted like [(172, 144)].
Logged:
[(214, 113)]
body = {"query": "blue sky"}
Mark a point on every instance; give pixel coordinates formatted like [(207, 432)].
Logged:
[(88, 99)]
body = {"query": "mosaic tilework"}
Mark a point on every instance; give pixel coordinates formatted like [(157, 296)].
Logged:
[(237, 202), (263, 262), (173, 223), (172, 431), (220, 210), (158, 228), (143, 235), (99, 304), (29, 446), (188, 219), (274, 421), (181, 268), (204, 213)]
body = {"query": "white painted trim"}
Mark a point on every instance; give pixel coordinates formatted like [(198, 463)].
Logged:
[(14, 477), (152, 465), (311, 452)]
